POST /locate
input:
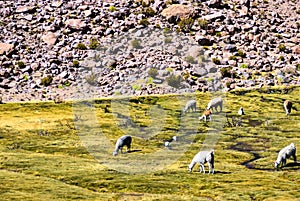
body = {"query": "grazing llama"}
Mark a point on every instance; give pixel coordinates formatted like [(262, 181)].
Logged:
[(284, 154), (121, 142), (190, 105), (215, 103), (287, 106), (203, 157)]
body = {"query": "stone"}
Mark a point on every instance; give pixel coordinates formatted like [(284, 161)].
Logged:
[(245, 3), (215, 3), (178, 10), (77, 24), (244, 11), (56, 4), (6, 48), (204, 41), (26, 69), (157, 81), (88, 13), (63, 74), (28, 17), (199, 72), (50, 38), (25, 9), (230, 48), (68, 54), (214, 16), (34, 66), (296, 49)]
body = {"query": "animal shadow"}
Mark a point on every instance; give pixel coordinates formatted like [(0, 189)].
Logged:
[(135, 150), (221, 172), (292, 166)]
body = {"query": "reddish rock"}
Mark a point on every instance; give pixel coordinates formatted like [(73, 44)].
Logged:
[(296, 49), (50, 38), (77, 24), (178, 10), (5, 47)]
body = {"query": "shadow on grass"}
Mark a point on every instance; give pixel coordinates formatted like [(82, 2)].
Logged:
[(135, 150), (247, 148), (292, 166), (221, 172)]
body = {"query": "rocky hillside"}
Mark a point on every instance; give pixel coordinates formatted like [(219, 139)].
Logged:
[(51, 50)]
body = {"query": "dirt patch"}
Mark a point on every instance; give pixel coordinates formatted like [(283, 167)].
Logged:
[(242, 146), (255, 123)]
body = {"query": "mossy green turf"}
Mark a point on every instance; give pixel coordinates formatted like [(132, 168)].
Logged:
[(42, 156)]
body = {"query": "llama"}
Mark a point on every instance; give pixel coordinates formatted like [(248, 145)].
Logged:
[(206, 114), (241, 111), (203, 157), (190, 105), (168, 142), (121, 142), (287, 106), (215, 103), (284, 154)]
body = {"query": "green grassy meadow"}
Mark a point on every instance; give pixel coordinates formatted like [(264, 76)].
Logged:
[(64, 151)]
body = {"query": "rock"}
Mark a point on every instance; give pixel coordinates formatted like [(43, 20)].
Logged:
[(34, 66), (6, 48), (215, 3), (199, 72), (88, 13), (158, 5), (195, 51), (214, 16), (230, 48), (26, 69), (12, 84), (50, 38), (157, 81), (63, 74), (244, 11), (88, 64), (68, 54), (245, 3), (178, 11), (25, 9), (211, 68), (204, 41), (28, 17), (56, 4), (77, 24), (296, 49)]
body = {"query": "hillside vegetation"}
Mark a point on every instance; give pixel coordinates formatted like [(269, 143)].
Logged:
[(61, 151)]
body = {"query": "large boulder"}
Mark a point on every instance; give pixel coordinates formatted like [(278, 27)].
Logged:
[(6, 48), (77, 24), (178, 11), (50, 38)]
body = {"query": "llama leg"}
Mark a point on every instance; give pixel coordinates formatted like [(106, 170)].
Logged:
[(202, 168), (284, 162), (295, 159)]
